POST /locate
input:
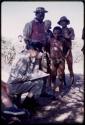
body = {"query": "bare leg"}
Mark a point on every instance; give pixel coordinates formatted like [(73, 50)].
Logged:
[(69, 60), (4, 96)]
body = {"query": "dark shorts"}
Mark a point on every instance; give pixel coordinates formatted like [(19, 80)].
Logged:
[(65, 50)]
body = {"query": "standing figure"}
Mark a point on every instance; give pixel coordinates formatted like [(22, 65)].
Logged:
[(34, 31), (48, 34), (67, 37), (45, 61), (57, 58)]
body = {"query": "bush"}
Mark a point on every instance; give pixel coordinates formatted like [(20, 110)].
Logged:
[(7, 51)]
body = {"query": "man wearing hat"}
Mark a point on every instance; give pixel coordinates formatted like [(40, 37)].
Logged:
[(34, 31), (67, 37)]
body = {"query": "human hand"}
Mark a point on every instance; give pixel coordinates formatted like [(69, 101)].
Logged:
[(29, 77)]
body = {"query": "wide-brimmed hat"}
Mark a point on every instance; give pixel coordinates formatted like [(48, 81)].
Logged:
[(63, 18), (40, 9)]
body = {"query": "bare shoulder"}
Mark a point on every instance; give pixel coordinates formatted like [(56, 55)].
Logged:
[(71, 29)]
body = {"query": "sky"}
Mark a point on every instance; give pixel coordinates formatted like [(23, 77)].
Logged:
[(14, 15)]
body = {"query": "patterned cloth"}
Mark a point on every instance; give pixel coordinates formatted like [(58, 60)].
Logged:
[(21, 71), (56, 49), (57, 59)]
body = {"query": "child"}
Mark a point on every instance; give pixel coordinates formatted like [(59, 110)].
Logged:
[(57, 58), (68, 36)]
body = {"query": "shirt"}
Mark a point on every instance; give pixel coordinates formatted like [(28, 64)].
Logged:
[(22, 68), (27, 32)]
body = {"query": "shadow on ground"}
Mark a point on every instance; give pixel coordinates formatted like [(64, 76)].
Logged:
[(69, 108)]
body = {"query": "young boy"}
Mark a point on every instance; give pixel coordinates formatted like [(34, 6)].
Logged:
[(57, 58)]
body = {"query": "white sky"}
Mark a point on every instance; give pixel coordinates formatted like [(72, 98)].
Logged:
[(14, 15)]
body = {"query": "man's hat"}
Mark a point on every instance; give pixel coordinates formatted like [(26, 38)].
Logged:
[(40, 9), (64, 18)]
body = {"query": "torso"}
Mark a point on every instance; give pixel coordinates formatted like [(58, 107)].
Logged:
[(38, 31), (56, 49)]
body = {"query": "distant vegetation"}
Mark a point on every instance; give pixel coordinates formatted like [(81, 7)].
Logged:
[(7, 51)]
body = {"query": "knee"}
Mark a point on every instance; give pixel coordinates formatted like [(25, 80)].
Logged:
[(40, 83), (61, 77)]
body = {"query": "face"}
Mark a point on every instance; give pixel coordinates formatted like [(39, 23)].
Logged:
[(20, 38), (56, 33), (63, 23), (33, 53), (40, 16)]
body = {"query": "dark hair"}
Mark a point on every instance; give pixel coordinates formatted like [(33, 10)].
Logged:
[(32, 46), (58, 29)]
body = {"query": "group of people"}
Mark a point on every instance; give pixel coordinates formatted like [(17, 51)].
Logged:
[(56, 44), (45, 50)]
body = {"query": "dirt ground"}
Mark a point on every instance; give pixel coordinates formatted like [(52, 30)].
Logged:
[(67, 108)]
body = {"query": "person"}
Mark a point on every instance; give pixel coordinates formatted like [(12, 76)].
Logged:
[(45, 61), (67, 37), (34, 31), (19, 45), (83, 37), (48, 34), (22, 71), (57, 58), (8, 108)]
